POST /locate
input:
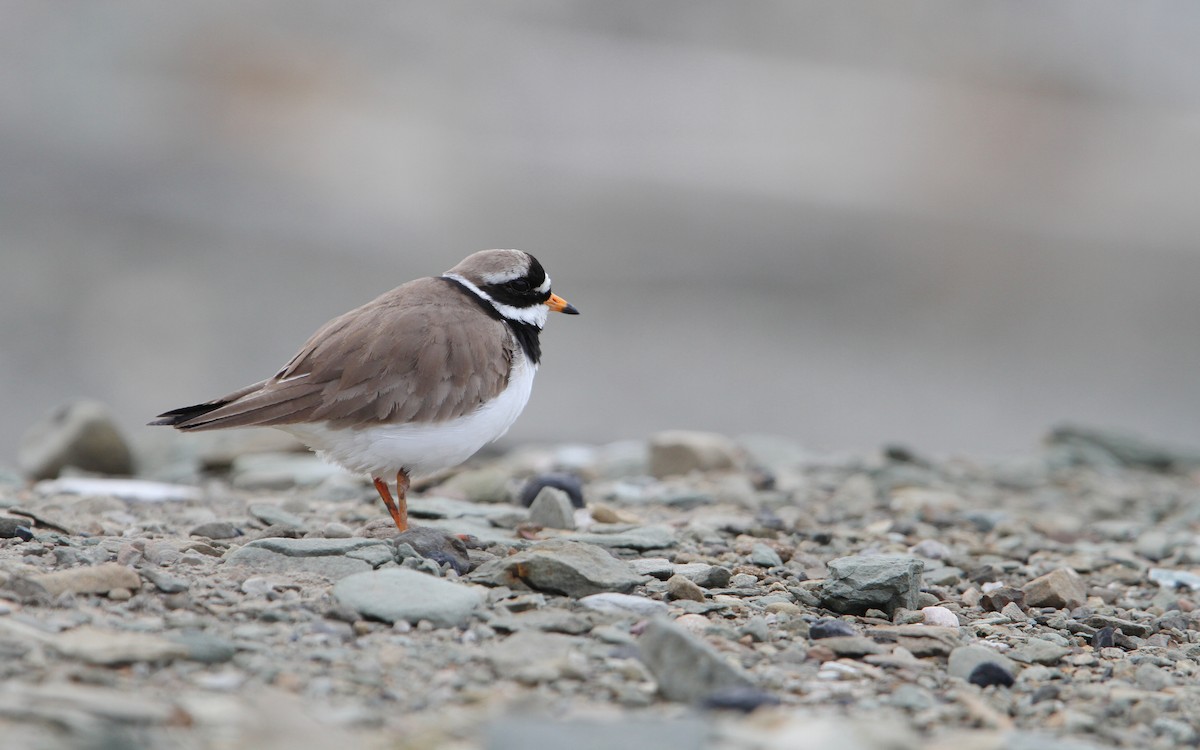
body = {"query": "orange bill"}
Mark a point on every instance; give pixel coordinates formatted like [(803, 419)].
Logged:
[(558, 304)]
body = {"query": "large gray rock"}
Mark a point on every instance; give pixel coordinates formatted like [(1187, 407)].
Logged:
[(884, 582), (561, 566), (676, 452), (686, 668), (80, 434), (396, 594)]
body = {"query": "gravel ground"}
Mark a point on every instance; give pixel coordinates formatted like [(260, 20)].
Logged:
[(688, 590)]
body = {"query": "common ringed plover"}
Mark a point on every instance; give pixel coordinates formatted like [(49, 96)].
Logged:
[(414, 381)]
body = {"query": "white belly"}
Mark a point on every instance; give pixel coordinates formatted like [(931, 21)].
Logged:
[(421, 449)]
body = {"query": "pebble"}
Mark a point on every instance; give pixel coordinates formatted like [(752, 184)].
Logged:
[(765, 557), (1061, 588), (567, 483), (1040, 651), (436, 545), (624, 604), (216, 530), (830, 628), (397, 594), (885, 582), (679, 587), (677, 452), (560, 566), (18, 528), (81, 434), (686, 669), (939, 616), (704, 575), (964, 660), (552, 509)]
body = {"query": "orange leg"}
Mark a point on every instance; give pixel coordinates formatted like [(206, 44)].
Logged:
[(399, 513)]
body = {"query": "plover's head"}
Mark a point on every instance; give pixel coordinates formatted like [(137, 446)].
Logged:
[(512, 282)]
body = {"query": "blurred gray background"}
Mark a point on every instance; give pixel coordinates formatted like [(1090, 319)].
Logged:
[(951, 224)]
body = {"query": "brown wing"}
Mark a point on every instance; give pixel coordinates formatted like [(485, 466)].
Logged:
[(420, 353)]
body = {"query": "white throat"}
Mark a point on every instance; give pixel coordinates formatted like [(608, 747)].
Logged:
[(534, 316)]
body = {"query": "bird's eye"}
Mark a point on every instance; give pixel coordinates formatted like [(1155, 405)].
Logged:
[(520, 285)]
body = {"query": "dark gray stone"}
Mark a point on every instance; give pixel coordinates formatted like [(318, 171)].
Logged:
[(437, 545), (885, 582), (568, 483)]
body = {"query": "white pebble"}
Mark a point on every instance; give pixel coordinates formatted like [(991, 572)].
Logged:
[(940, 616)]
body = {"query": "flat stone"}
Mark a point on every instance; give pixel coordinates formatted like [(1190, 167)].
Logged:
[(314, 546), (658, 567), (82, 434), (686, 668), (560, 566), (852, 646), (273, 515), (113, 647), (885, 582), (95, 579), (265, 560), (639, 606), (641, 538), (1061, 588), (1040, 651), (552, 509), (216, 530), (677, 452), (398, 594)]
